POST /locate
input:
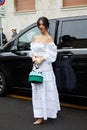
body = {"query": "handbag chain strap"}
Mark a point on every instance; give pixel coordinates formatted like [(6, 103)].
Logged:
[(36, 66)]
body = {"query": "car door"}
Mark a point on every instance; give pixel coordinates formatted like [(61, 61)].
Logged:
[(17, 58), (24, 52), (71, 68)]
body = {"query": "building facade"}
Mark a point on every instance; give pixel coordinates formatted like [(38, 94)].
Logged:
[(19, 13)]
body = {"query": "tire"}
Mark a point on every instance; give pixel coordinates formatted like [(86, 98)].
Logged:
[(2, 84)]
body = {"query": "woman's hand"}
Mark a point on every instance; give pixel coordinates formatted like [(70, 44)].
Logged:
[(33, 58), (39, 60)]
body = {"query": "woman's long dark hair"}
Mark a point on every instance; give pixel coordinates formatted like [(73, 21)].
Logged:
[(45, 22)]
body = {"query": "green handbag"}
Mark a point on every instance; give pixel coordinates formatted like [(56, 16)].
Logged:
[(35, 77)]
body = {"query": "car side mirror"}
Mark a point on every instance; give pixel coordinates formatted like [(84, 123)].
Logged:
[(14, 49)]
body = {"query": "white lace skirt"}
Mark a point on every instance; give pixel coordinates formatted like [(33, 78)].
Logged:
[(45, 97)]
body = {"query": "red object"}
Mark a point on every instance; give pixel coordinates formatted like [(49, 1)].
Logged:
[(2, 2)]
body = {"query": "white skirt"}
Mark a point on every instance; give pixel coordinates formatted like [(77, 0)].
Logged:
[(45, 97)]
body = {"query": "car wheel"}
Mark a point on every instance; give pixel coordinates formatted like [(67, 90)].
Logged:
[(2, 84)]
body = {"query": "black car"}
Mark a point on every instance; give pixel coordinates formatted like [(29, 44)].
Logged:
[(70, 68)]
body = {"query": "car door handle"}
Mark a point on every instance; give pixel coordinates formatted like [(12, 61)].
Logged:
[(66, 54)]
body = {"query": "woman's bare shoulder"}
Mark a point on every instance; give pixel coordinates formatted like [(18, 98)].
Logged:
[(49, 39), (35, 38)]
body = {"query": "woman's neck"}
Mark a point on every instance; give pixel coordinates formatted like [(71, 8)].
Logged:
[(44, 33)]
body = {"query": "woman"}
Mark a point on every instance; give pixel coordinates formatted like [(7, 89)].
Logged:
[(44, 96)]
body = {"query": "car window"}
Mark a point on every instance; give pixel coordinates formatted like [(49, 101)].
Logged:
[(25, 39), (74, 34), (52, 28)]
